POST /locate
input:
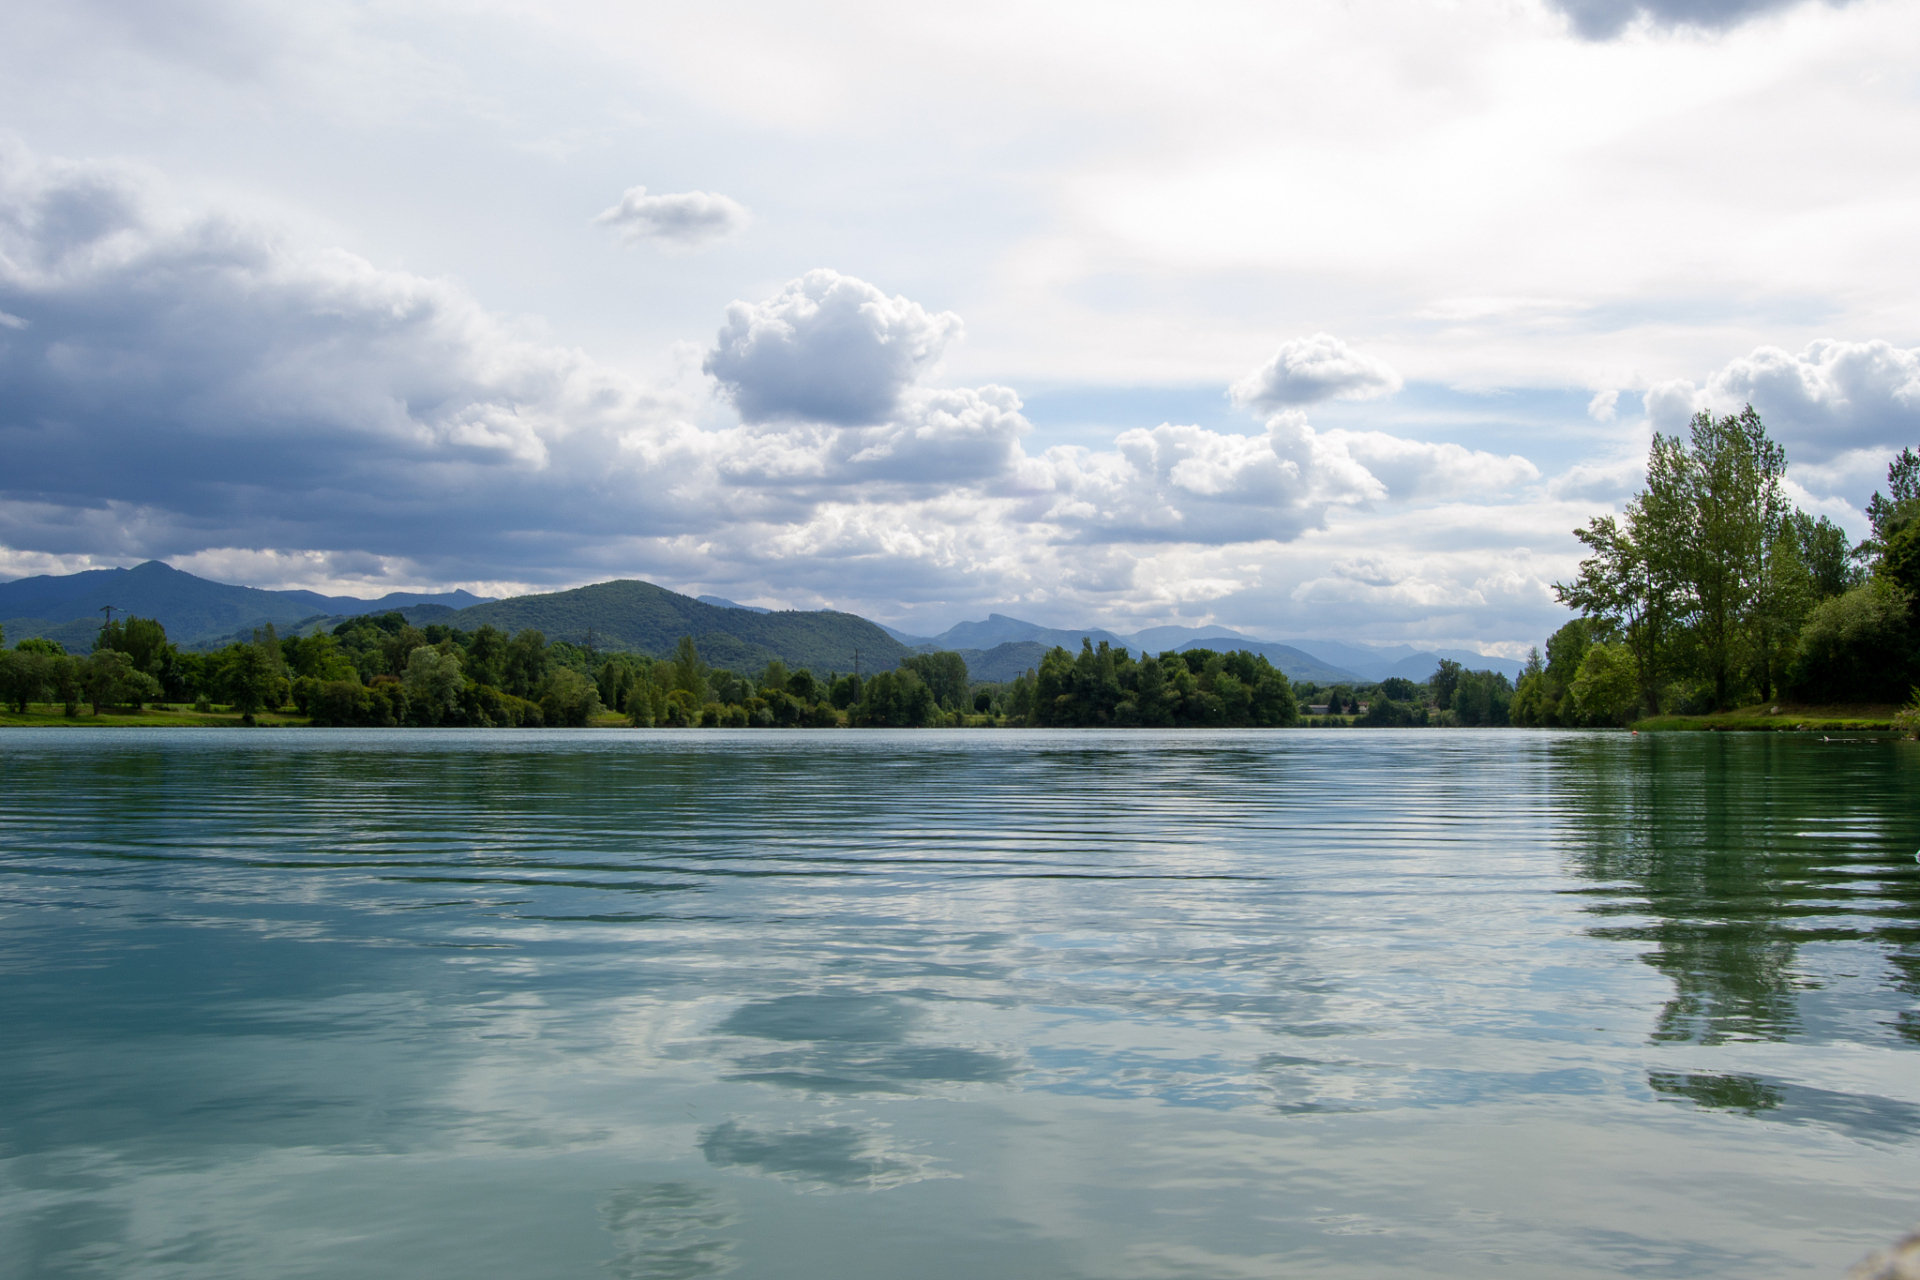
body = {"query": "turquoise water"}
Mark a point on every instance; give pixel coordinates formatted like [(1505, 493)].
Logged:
[(951, 1004)]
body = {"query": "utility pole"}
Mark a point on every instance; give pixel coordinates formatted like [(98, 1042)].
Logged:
[(108, 610), (856, 664)]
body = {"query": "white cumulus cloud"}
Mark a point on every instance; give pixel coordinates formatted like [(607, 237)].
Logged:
[(827, 348), (1830, 399), (683, 218), (1308, 370)]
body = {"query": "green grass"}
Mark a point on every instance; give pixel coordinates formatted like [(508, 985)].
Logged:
[(53, 715), (1778, 717)]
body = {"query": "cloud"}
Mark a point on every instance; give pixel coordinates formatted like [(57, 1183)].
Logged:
[(203, 389), (1670, 405), (1604, 406), (1831, 398), (1416, 469), (1612, 481), (194, 382), (1606, 19), (685, 219), (828, 348), (1308, 370), (1189, 484)]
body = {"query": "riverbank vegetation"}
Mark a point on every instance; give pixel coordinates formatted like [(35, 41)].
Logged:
[(383, 671), (1712, 592)]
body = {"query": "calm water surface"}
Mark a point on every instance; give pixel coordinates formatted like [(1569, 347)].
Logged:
[(944, 1004)]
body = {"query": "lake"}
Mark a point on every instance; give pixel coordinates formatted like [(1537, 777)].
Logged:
[(955, 1004)]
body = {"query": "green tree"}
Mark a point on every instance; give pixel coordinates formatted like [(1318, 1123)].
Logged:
[(568, 698), (143, 640), (1483, 698), (1781, 599), (1827, 554), (396, 648), (111, 680), (1020, 697), (1857, 647), (647, 702), (894, 699), (1893, 512), (1529, 692), (1737, 507), (251, 679), (66, 681), (802, 685), (434, 683), (686, 672), (844, 691), (486, 659), (1605, 690), (317, 657), (527, 661), (24, 677), (945, 673), (1626, 587)]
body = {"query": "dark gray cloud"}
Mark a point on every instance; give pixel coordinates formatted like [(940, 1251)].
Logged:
[(828, 348), (168, 385), (1606, 19)]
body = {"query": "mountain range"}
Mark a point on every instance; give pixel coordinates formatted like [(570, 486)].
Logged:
[(195, 612), (1321, 661), (639, 616)]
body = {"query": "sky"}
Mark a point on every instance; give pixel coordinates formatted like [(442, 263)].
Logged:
[(1311, 319)]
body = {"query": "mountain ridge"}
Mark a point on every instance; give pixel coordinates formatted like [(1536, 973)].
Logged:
[(192, 609), (630, 614)]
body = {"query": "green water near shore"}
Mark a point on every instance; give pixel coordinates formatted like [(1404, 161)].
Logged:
[(956, 1004)]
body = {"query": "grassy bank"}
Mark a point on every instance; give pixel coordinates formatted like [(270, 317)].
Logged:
[(54, 716), (1778, 717)]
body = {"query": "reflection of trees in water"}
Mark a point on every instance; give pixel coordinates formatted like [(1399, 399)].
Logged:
[(1731, 854), (1747, 1094)]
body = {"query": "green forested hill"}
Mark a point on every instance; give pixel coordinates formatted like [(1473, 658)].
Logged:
[(640, 616), (1004, 661)]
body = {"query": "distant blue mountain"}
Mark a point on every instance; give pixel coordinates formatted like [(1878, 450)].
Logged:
[(1321, 661), (721, 602), (1378, 662), (192, 609), (1292, 663)]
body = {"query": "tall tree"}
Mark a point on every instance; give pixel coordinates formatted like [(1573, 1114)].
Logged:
[(1827, 553), (1737, 508), (1781, 599), (1889, 514), (687, 672)]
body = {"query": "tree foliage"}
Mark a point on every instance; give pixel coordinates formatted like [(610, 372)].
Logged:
[(1718, 592)]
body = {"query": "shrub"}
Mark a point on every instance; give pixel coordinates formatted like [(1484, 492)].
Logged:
[(568, 698), (1856, 647), (1604, 690)]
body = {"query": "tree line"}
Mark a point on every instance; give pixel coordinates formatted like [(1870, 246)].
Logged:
[(384, 671), (1712, 591), (1106, 686)]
